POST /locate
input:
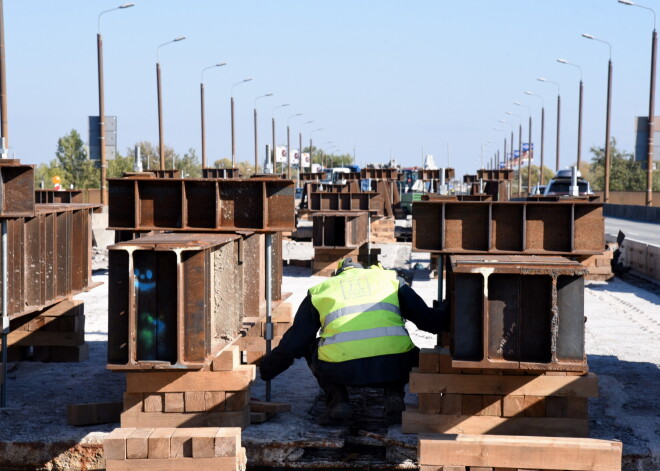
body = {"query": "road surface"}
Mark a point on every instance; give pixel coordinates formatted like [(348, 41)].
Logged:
[(640, 231)]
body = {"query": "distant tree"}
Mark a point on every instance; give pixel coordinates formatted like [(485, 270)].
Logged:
[(76, 168), (626, 174), (245, 168), (189, 164), (329, 159), (44, 173), (150, 155), (547, 175), (222, 163), (119, 165)]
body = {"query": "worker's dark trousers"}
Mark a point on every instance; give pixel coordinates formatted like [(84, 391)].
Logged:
[(336, 392)]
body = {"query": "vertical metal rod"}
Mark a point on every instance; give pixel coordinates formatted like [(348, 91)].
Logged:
[(161, 143), (101, 143), (530, 156), (288, 152), (558, 129), (606, 197), (441, 265), (369, 239), (649, 162), (256, 143), (300, 152), (269, 295), (233, 136), (519, 158), (5, 317), (542, 143), (201, 95), (579, 143), (274, 149)]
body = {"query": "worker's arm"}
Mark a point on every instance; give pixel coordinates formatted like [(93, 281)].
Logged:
[(295, 343), (414, 309)]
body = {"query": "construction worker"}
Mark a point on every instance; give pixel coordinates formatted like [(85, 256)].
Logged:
[(362, 342)]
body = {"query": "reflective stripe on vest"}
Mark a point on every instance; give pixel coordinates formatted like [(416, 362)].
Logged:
[(360, 315)]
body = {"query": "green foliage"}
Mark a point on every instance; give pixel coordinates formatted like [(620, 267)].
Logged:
[(625, 173), (189, 165), (329, 159), (547, 175), (222, 163), (119, 165), (75, 168)]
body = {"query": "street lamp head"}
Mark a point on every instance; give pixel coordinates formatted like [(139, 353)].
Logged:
[(517, 103), (502, 121), (126, 5), (268, 94), (626, 2), (220, 64), (542, 79), (562, 61), (179, 38), (588, 36)]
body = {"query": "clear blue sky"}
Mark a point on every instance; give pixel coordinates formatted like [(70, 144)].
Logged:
[(380, 76)]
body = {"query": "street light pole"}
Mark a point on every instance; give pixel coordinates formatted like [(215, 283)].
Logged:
[(649, 156), (579, 138), (288, 146), (608, 113), (543, 79), (161, 141), (233, 130), (256, 140), (99, 51), (273, 117), (201, 94), (519, 150), (530, 150), (301, 148), (507, 161), (311, 153), (542, 133)]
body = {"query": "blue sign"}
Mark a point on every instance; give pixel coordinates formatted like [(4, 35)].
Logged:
[(526, 146), (516, 154)]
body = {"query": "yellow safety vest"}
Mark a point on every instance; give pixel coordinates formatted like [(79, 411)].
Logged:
[(360, 315)]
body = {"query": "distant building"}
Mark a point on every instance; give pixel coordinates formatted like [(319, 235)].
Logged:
[(642, 141)]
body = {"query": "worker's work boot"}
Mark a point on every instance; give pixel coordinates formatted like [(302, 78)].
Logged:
[(337, 402), (394, 405)]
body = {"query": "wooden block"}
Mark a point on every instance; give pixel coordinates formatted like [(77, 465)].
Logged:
[(237, 400), (416, 422), (227, 441), (137, 444), (114, 445), (472, 404), (581, 386), (435, 360), (470, 371), (133, 402), (186, 419), (258, 417), (513, 406), (480, 468), (430, 403), (228, 360), (283, 313), (45, 339), (159, 443), (94, 414), (519, 452), (214, 401), (69, 354), (280, 328), (492, 405), (203, 442), (194, 401), (451, 404), (177, 381), (180, 464), (534, 406), (269, 407), (181, 443), (153, 402), (577, 408), (555, 406), (174, 402)]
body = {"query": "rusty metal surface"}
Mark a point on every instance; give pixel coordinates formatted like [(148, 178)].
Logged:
[(495, 174), (497, 189), (379, 173), (437, 197), (16, 189), (517, 312), (427, 174), (311, 176), (220, 172), (165, 173), (351, 186), (59, 196), (49, 256), (470, 179), (337, 229), (542, 228), (365, 201), (198, 205), (174, 302)]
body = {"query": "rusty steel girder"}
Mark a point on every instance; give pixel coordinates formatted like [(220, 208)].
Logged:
[(365, 201), (569, 227), (59, 196), (517, 312), (201, 205), (495, 174), (49, 256), (174, 300), (220, 172), (351, 186), (379, 173), (311, 176), (336, 229), (16, 189), (470, 179), (165, 173), (428, 174)]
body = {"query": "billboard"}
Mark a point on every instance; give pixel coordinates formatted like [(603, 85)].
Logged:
[(110, 138)]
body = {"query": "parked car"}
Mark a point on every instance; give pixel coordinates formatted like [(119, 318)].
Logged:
[(560, 185)]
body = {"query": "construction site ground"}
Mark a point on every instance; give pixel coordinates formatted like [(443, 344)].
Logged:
[(622, 342)]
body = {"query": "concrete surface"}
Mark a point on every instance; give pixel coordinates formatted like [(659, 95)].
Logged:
[(641, 231)]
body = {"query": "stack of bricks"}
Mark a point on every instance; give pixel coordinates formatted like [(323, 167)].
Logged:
[(599, 266), (326, 260), (515, 453), (517, 402), (188, 449), (216, 397), (55, 334), (253, 343), (382, 231)]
